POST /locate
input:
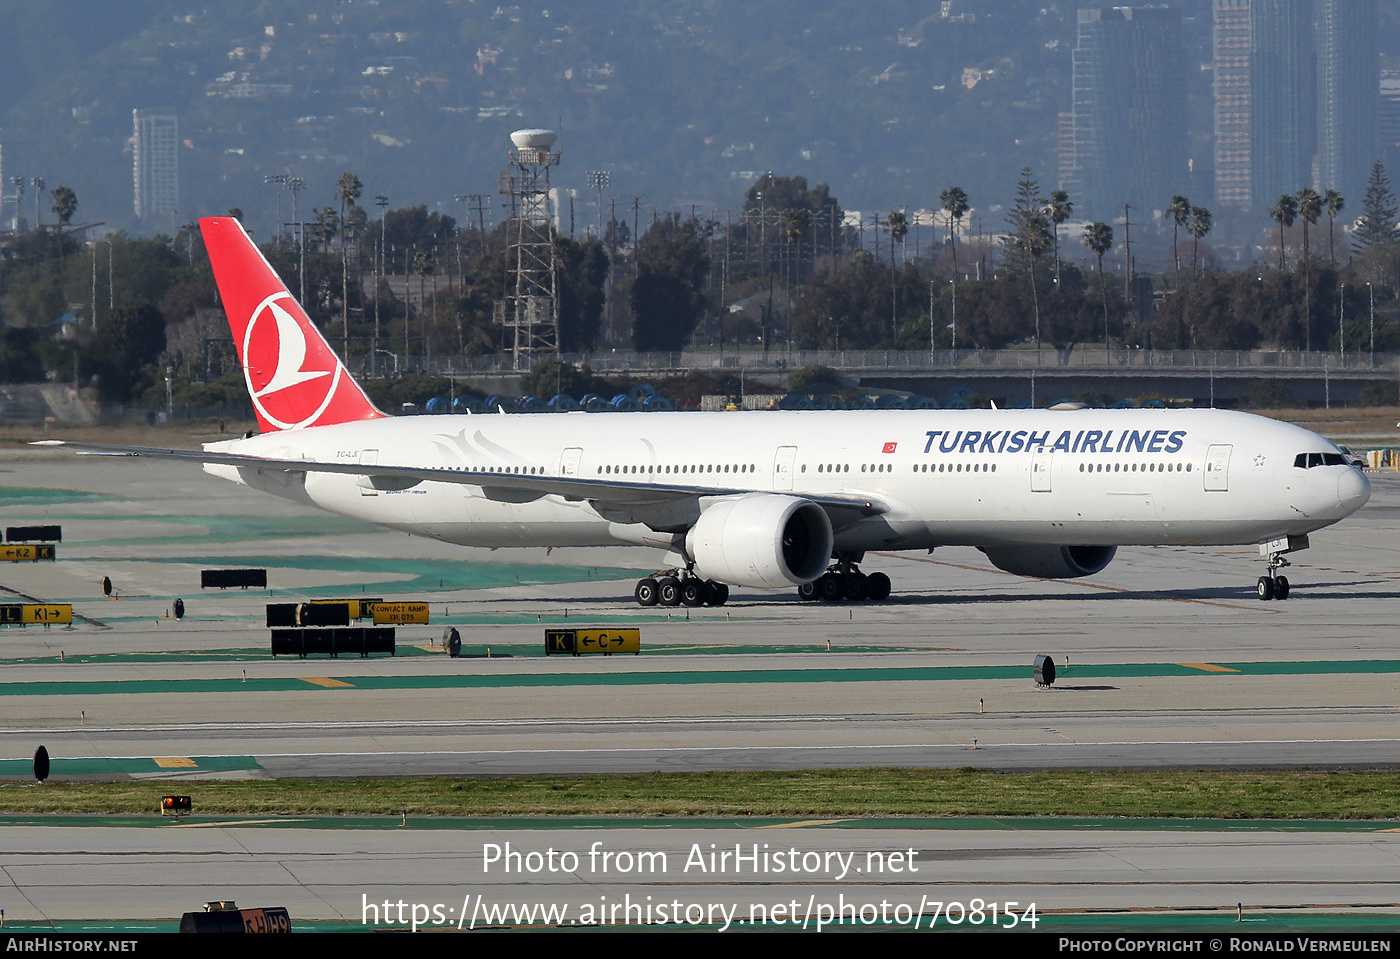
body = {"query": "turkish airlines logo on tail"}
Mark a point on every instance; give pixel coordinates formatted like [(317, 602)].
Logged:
[(275, 365)]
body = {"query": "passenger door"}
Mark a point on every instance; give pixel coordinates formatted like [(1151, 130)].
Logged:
[(568, 463), (1041, 462), (782, 467), (1217, 478)]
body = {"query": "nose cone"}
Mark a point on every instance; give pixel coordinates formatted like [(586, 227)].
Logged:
[(1353, 490)]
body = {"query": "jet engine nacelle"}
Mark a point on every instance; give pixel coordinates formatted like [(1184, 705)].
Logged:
[(762, 540), (1051, 562)]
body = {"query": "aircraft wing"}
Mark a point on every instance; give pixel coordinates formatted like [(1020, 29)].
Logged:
[(510, 487)]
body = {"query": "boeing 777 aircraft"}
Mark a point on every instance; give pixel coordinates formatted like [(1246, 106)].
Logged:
[(763, 499)]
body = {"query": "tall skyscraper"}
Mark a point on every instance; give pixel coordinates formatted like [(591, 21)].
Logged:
[(1297, 93), (1348, 95), (1282, 98), (1231, 49), (156, 162), (1388, 121), (1129, 109)]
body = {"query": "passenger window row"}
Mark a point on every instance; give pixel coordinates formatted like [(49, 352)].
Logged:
[(1134, 467), (695, 468)]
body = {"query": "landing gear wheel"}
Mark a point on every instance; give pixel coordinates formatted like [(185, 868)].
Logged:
[(1280, 587), (693, 592), (1266, 587), (807, 590), (831, 587), (716, 594), (857, 587), (668, 591), (877, 587), (646, 592)]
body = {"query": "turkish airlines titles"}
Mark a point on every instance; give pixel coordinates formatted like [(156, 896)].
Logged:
[(1084, 441)]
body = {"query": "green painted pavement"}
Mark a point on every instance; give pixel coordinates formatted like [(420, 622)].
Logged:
[(26, 496), (126, 765), (687, 678), (403, 575), (477, 650)]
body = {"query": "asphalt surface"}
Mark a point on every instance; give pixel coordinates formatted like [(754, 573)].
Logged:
[(1167, 660)]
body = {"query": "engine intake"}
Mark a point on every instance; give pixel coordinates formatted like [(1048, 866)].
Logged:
[(1051, 562), (762, 540)]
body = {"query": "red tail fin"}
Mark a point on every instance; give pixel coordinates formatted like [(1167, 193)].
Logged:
[(293, 376)]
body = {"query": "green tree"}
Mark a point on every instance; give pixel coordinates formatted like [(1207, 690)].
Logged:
[(1378, 212), (776, 195), (583, 274), (65, 204), (1030, 236), (1206, 315), (126, 339), (410, 227), (813, 379), (672, 265), (844, 308), (551, 376)]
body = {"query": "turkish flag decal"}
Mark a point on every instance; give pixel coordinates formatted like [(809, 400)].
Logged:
[(889, 447)]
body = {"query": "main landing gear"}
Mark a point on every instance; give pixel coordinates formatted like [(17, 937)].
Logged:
[(1272, 586), (843, 582), (679, 587)]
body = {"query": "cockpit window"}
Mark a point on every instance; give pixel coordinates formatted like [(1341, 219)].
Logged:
[(1309, 460)]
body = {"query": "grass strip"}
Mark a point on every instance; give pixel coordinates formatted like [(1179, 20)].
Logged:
[(1339, 795)]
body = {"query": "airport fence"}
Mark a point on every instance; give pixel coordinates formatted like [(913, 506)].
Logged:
[(1080, 357)]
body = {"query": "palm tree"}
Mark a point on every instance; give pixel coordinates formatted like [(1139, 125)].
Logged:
[(955, 204), (1335, 202), (797, 223), (1284, 211), (1059, 210), (1200, 226), (1098, 237), (1180, 211), (326, 225), (1309, 208), (423, 264), (348, 189), (898, 225)]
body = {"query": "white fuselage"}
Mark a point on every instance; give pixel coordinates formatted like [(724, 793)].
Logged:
[(974, 477)]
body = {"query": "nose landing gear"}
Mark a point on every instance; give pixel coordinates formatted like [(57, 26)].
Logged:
[(1272, 586)]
